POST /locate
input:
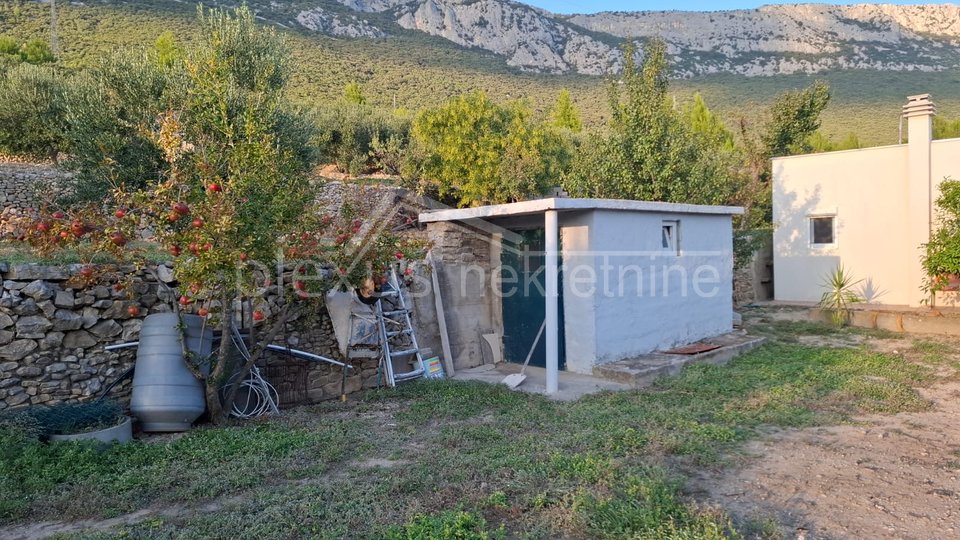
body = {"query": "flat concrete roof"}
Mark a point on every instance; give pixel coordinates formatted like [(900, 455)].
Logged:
[(561, 204)]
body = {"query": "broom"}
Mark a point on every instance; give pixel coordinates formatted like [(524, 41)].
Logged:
[(516, 379)]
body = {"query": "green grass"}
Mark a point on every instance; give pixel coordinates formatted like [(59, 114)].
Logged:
[(789, 331), (451, 459), (18, 253), (55, 480)]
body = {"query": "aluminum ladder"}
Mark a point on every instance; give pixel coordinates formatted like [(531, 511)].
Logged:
[(397, 337)]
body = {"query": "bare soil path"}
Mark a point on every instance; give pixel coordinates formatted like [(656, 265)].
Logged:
[(883, 476)]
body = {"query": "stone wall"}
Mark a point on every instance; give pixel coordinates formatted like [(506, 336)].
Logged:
[(753, 282), (20, 183), (54, 327), (53, 330), (464, 258)]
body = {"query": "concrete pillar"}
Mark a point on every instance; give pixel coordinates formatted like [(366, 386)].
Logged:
[(551, 247), (919, 112)]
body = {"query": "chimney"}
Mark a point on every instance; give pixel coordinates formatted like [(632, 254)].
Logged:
[(919, 112)]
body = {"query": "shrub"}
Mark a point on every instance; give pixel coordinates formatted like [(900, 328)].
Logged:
[(941, 257), (32, 111), (839, 295), (356, 137), (36, 51), (473, 151)]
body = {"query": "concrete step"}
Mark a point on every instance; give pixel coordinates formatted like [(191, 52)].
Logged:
[(642, 371)]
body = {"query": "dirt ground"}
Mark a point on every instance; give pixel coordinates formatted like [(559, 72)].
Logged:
[(884, 476)]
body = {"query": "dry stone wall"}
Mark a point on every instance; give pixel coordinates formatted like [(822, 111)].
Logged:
[(20, 183), (54, 327), (52, 334)]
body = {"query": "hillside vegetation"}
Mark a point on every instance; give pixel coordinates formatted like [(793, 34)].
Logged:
[(411, 70)]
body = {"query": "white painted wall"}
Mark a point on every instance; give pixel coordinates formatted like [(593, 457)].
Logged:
[(579, 310), (866, 189), (878, 236), (640, 298)]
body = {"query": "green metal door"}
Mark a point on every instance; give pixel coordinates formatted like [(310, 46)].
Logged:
[(523, 299)]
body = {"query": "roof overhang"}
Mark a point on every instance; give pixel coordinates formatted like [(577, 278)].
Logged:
[(562, 204)]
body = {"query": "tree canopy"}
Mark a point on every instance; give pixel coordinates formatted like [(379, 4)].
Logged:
[(649, 151), (564, 115), (473, 151)]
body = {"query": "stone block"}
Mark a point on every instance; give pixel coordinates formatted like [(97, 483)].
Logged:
[(27, 306), (58, 367), (165, 274), (90, 317), (29, 371), (33, 327), (931, 324), (892, 322), (47, 308), (118, 310), (79, 339), (13, 401), (64, 299), (131, 330), (27, 272), (106, 328), (66, 320), (12, 285), (39, 290), (51, 341), (5, 320), (6, 336), (18, 349)]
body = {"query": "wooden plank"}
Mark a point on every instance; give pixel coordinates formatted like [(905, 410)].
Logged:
[(441, 318)]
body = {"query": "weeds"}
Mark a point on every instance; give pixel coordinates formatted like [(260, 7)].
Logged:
[(472, 460)]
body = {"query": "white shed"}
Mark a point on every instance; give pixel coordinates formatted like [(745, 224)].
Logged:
[(608, 279)]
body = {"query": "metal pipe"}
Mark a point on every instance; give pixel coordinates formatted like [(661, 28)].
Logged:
[(551, 247), (308, 356), (278, 348), (121, 346)]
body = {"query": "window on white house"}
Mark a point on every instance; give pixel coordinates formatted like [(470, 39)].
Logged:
[(822, 230), (670, 236)]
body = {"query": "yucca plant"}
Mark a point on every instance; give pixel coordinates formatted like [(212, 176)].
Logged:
[(839, 294)]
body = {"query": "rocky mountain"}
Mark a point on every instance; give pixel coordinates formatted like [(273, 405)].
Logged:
[(777, 39)]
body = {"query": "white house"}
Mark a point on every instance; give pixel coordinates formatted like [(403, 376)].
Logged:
[(608, 279), (869, 209)]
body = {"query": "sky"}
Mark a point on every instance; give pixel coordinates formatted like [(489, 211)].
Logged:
[(592, 6)]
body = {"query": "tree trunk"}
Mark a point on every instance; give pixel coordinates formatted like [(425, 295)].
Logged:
[(218, 371)]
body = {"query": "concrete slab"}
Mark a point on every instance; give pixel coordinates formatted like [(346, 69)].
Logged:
[(572, 386), (641, 371)]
